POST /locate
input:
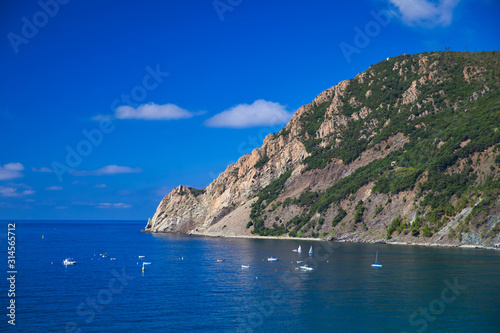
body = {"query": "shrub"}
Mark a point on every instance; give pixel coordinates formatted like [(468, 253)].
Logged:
[(393, 226), (305, 199), (360, 209), (378, 209), (196, 192), (426, 231), (261, 162), (339, 217)]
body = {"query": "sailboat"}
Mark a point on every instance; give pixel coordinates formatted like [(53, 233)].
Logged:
[(311, 251), (69, 261), (306, 268), (299, 250), (375, 264)]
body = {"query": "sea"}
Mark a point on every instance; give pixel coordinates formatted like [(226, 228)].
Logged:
[(197, 284)]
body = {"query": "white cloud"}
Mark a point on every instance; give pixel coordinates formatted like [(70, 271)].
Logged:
[(149, 111), (7, 191), (15, 190), (107, 170), (81, 203), (54, 188), (42, 169), (259, 113), (125, 192), (102, 204), (11, 171), (425, 13), (113, 205), (116, 169)]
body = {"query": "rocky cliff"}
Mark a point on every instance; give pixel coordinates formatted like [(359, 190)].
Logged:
[(407, 151)]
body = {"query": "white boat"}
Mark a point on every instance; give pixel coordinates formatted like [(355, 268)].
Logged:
[(220, 260), (245, 266), (299, 250), (146, 263), (375, 264), (300, 261), (140, 257), (272, 259), (311, 251), (69, 261), (306, 268)]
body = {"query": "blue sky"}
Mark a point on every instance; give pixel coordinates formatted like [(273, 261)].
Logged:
[(108, 105)]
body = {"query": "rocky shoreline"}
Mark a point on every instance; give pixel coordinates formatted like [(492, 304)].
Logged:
[(427, 244)]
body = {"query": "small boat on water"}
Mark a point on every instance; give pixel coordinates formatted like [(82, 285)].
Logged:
[(140, 257), (69, 261), (272, 259), (300, 261), (299, 250), (245, 266), (220, 260), (146, 263), (311, 251), (376, 264), (306, 268)]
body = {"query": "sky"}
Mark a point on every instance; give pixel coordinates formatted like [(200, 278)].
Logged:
[(106, 106)]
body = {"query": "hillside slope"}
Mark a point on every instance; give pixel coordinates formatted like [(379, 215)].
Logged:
[(407, 151)]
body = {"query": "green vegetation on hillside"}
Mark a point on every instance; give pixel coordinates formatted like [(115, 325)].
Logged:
[(261, 162), (339, 217), (265, 197), (196, 192), (454, 117)]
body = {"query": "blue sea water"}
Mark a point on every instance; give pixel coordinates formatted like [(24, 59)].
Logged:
[(185, 289)]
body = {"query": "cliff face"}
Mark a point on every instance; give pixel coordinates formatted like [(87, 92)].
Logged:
[(187, 210), (407, 151)]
